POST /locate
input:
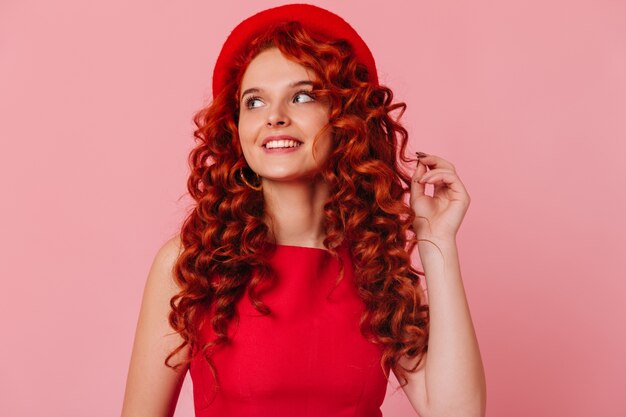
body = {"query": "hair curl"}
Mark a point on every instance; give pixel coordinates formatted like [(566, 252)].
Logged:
[(226, 241)]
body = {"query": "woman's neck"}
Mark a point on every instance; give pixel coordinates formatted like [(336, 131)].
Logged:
[(295, 211)]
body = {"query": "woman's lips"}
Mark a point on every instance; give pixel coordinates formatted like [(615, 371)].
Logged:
[(281, 150), (275, 138), (281, 144)]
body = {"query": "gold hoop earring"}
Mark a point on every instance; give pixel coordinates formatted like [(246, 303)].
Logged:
[(245, 181)]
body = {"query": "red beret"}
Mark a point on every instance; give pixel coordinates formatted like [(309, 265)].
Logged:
[(320, 21)]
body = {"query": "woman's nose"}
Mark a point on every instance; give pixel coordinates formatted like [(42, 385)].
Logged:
[(277, 116)]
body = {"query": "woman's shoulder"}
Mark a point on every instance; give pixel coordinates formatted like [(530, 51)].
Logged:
[(164, 261), (171, 249)]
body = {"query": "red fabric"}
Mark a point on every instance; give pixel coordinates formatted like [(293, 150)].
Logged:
[(322, 22), (308, 359)]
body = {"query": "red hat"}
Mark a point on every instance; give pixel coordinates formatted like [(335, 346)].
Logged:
[(319, 21)]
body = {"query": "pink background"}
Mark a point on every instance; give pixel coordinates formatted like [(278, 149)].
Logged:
[(526, 98)]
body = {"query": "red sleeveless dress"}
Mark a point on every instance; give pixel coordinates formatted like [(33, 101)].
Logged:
[(307, 359)]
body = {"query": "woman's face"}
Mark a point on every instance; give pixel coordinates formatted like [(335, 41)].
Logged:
[(279, 118)]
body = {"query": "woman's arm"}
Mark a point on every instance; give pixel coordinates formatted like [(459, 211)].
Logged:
[(451, 380), (152, 388)]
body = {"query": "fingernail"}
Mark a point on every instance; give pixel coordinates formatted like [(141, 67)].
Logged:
[(421, 154)]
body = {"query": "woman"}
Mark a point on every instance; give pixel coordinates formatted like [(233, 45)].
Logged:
[(290, 290)]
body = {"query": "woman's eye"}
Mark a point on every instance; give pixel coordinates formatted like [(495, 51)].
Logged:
[(300, 97), (303, 97), (251, 102)]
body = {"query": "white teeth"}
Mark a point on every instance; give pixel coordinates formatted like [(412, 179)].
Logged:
[(282, 144)]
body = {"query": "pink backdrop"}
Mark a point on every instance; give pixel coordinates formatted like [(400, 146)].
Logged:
[(526, 98)]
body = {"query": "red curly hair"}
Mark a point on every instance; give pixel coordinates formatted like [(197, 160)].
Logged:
[(226, 241)]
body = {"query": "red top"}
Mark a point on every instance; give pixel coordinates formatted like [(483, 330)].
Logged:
[(307, 359)]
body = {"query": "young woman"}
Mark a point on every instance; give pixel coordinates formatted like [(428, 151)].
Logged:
[(290, 289)]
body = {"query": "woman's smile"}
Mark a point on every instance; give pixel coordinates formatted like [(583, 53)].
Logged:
[(281, 144)]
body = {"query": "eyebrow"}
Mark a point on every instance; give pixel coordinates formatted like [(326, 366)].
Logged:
[(292, 85)]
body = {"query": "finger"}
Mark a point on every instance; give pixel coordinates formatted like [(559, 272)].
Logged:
[(421, 168), (434, 161), (433, 172), (443, 180), (417, 189)]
